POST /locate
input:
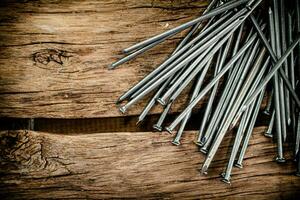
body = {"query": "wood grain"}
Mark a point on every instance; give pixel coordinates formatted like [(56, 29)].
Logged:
[(37, 165), (54, 54)]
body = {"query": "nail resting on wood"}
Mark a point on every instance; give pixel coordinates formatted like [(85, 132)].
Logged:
[(245, 45)]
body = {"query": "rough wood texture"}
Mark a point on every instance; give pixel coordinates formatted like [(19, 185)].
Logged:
[(39, 165), (54, 54)]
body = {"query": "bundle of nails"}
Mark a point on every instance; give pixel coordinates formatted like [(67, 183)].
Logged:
[(250, 52)]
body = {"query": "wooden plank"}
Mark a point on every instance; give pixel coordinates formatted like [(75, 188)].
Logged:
[(135, 165), (54, 56)]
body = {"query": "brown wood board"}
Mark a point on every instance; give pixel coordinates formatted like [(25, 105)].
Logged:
[(38, 165), (54, 54)]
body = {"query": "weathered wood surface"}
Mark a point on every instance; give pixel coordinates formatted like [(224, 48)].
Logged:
[(39, 165), (54, 54)]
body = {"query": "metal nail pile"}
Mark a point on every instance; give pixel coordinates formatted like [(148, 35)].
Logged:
[(251, 50)]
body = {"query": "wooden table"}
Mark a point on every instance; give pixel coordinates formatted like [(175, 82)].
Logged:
[(54, 58)]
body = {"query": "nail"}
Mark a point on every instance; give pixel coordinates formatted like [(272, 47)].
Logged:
[(285, 65), (154, 98), (179, 54), (250, 130), (226, 98), (267, 110), (271, 74), (207, 46), (133, 55), (278, 53), (197, 88), (198, 26), (198, 63), (292, 72), (158, 125), (270, 127), (210, 101), (222, 130), (297, 136), (240, 80), (275, 60), (214, 12), (236, 145), (208, 55), (212, 82), (253, 87)]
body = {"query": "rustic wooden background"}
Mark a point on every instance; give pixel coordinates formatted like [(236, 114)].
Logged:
[(53, 67)]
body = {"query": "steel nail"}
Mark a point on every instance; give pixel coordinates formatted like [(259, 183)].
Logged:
[(169, 33), (267, 110), (253, 87), (298, 136), (250, 130), (212, 82), (195, 70), (133, 55), (278, 53), (158, 125), (274, 70), (229, 93), (222, 130), (237, 142), (210, 101), (292, 72), (182, 54), (285, 65), (268, 133), (197, 88)]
